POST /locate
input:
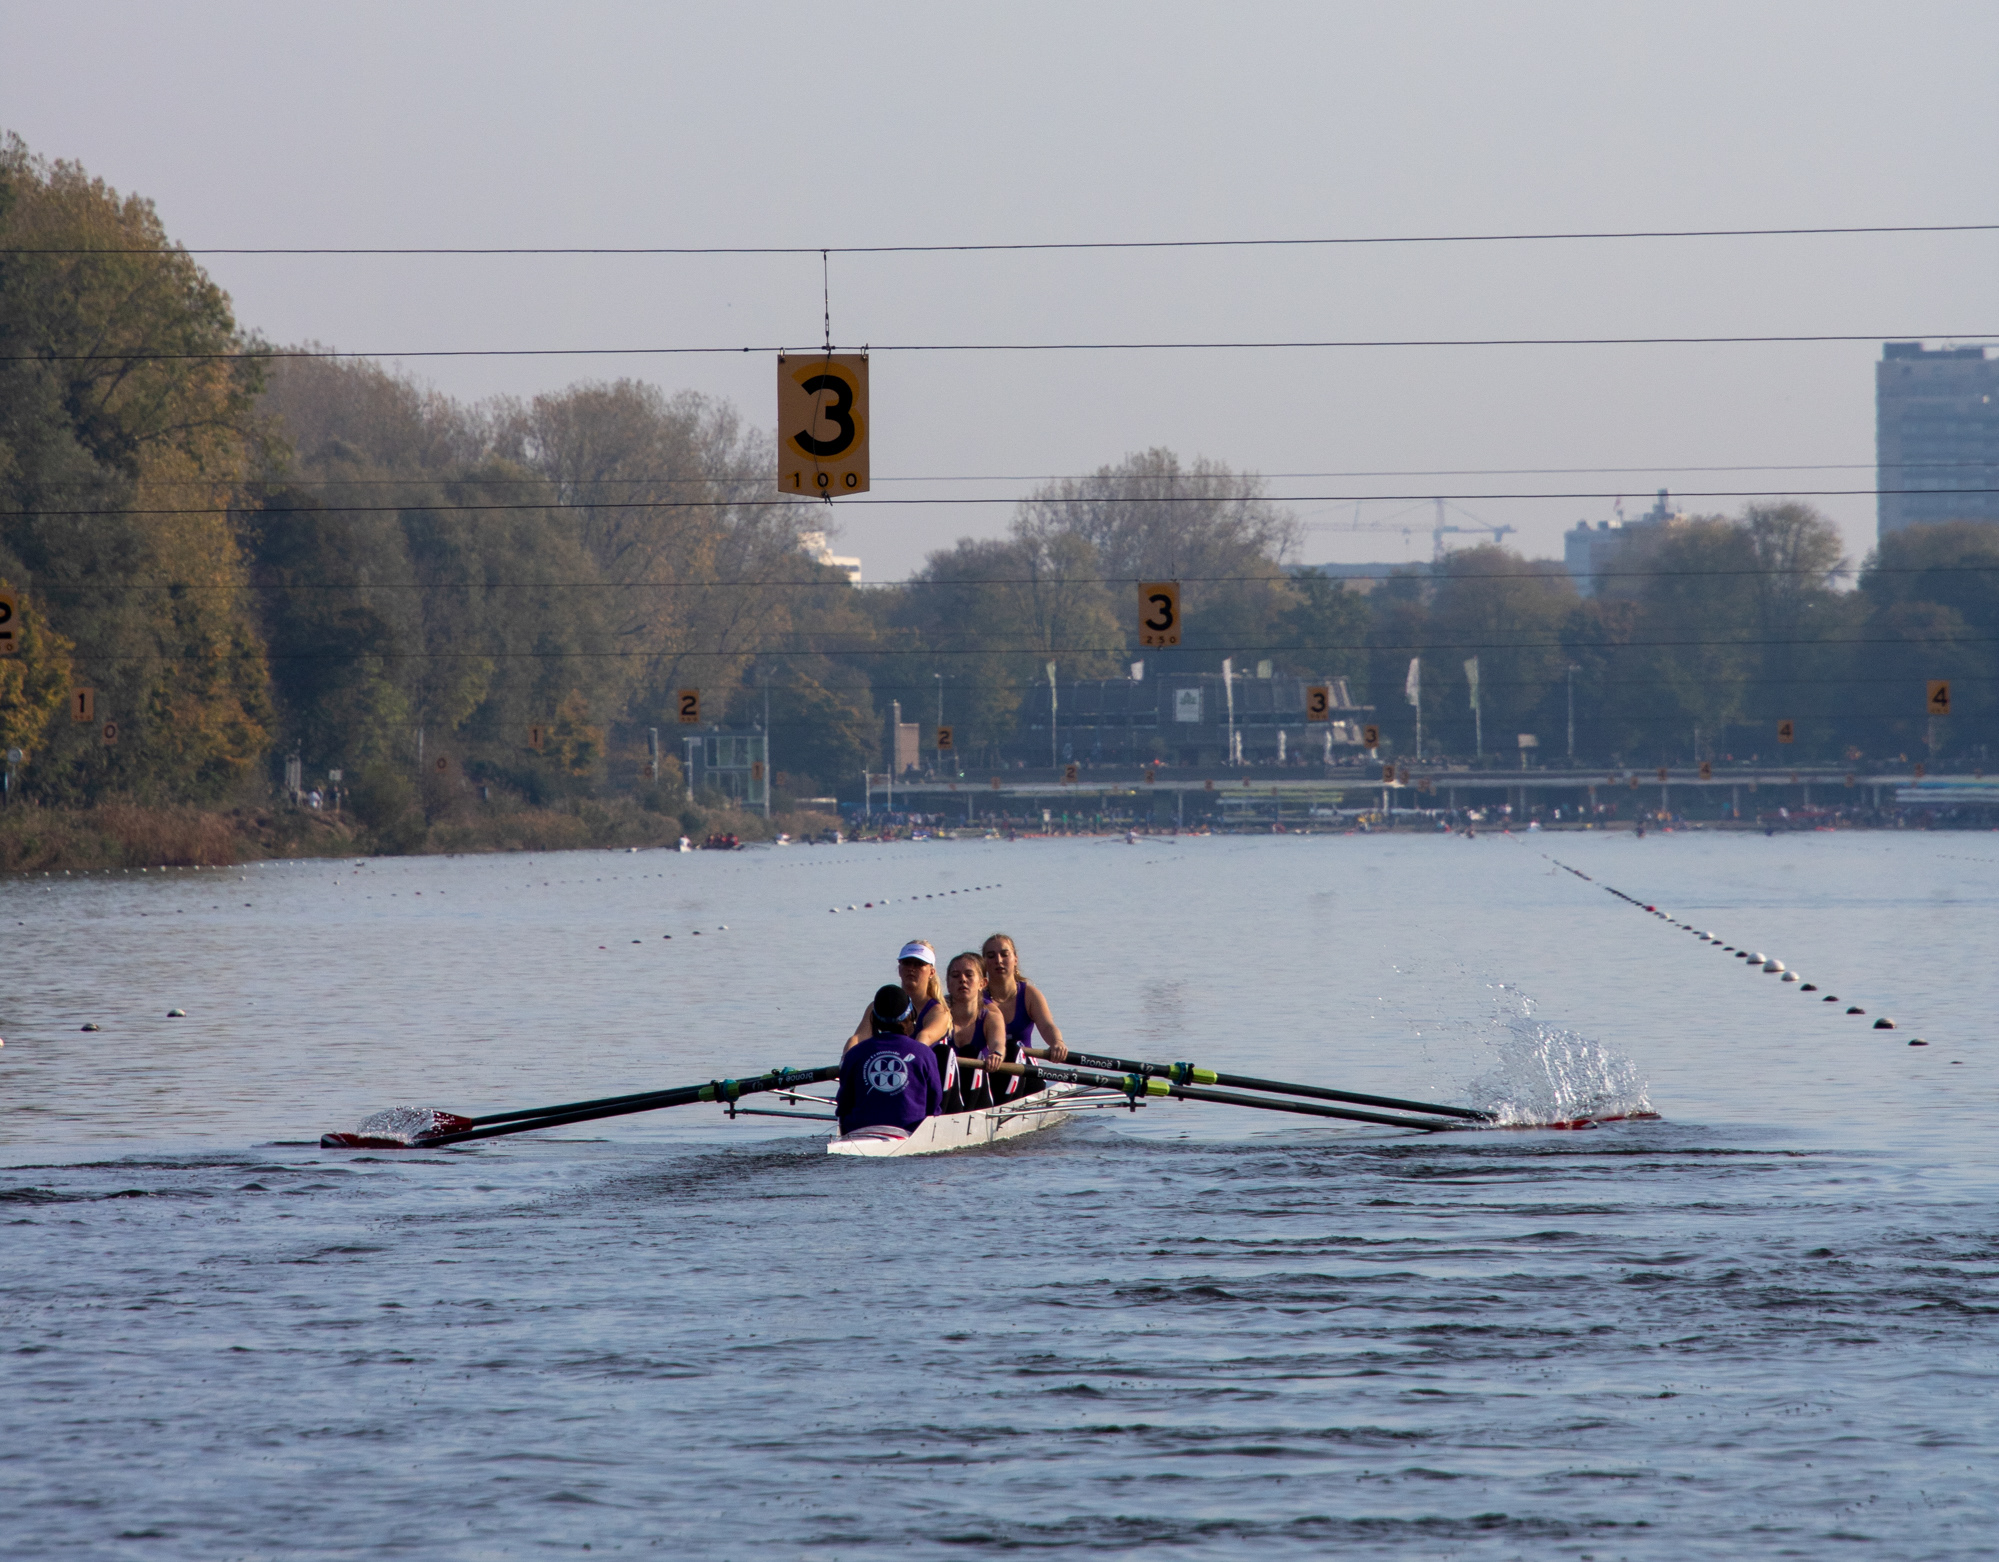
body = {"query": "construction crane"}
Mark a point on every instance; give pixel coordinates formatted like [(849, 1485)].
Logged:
[(1438, 531)]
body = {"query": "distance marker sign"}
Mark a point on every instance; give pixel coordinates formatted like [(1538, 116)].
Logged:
[(10, 623), (1159, 612), (1937, 700), (1319, 702), (822, 424)]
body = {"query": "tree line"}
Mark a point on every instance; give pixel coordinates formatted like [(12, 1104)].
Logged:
[(249, 554)]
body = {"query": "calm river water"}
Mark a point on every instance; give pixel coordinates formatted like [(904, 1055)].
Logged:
[(1764, 1325)]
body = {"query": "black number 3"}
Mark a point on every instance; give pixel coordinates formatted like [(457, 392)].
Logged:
[(1164, 605), (840, 414)]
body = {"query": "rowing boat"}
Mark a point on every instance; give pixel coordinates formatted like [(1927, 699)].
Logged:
[(981, 1126), (1082, 1082)]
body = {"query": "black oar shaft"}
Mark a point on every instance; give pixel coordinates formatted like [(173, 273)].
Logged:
[(574, 1106), (1244, 1082), (1189, 1073), (618, 1106), (1138, 1087), (1306, 1108)]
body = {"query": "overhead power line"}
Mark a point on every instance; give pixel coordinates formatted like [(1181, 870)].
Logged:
[(1550, 236), (1358, 648), (780, 501), (1302, 344), (717, 479), (1280, 576)]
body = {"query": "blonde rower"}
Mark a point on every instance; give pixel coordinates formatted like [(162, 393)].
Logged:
[(1023, 1009), (929, 1019), (977, 1030)]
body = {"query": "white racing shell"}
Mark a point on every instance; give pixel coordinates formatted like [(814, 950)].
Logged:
[(966, 1130)]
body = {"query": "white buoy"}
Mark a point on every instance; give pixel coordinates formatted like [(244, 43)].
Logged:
[(1773, 966), (1790, 976)]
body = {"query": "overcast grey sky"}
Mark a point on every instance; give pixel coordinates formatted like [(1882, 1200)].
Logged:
[(842, 124)]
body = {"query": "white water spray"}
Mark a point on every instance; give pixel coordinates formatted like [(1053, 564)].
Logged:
[(1543, 1074), (404, 1123)]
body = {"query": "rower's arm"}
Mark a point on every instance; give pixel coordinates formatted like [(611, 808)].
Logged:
[(937, 1027), (1037, 1010), (992, 1035), (864, 1030)]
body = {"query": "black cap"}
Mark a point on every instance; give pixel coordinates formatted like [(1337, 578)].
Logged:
[(892, 1006)]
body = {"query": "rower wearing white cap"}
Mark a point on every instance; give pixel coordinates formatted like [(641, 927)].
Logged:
[(929, 1019)]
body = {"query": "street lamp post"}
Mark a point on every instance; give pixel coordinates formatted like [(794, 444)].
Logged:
[(1571, 675)]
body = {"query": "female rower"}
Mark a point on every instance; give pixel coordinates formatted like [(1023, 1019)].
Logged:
[(1023, 1011), (929, 1019), (977, 1030)]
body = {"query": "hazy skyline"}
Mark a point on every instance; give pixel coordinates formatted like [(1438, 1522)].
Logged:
[(625, 125)]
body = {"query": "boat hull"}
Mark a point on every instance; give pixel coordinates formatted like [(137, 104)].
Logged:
[(966, 1130)]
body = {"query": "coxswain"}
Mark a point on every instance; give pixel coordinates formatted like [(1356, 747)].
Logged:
[(978, 1034), (1023, 1011), (929, 1020), (888, 1080)]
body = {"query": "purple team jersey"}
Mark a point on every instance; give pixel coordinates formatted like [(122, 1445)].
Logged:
[(888, 1081)]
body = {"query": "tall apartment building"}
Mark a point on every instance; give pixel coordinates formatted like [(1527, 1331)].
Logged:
[(1936, 435)]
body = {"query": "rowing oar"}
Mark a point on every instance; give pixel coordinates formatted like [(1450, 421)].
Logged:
[(1136, 1085), (455, 1129), (1191, 1074)]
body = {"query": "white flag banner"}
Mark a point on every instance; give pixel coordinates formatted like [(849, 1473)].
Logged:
[(1414, 686), (1138, 672), (1471, 677)]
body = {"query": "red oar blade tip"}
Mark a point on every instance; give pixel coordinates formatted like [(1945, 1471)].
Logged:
[(396, 1128)]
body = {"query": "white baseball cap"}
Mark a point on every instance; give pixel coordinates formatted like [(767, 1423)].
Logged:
[(916, 949)]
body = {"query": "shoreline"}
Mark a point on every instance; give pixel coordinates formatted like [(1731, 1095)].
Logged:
[(111, 836)]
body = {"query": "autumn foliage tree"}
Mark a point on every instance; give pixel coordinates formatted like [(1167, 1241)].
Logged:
[(126, 430)]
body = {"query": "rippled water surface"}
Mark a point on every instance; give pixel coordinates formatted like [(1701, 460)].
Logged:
[(1761, 1325)]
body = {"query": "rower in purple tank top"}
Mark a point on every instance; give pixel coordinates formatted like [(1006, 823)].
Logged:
[(1023, 1008)]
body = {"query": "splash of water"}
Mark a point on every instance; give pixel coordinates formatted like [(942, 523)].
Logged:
[(1545, 1074), (396, 1125)]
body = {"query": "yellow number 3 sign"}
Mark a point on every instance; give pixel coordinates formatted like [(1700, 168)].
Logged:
[(822, 424)]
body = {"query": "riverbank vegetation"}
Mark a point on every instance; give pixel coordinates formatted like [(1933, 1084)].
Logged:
[(480, 614)]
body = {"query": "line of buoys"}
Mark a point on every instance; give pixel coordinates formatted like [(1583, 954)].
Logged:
[(1756, 961), (937, 895)]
